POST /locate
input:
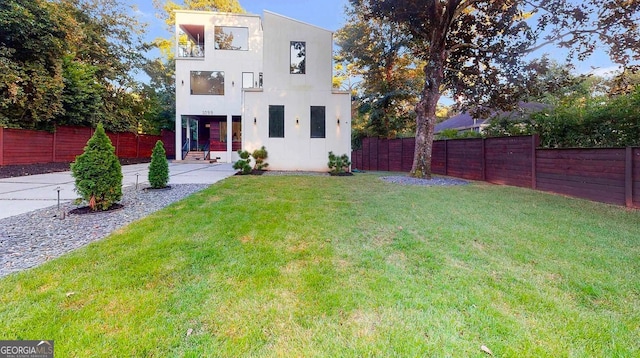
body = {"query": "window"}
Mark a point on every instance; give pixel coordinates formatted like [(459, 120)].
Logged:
[(207, 83), (191, 41), (247, 80), (318, 122), (236, 135), (231, 38), (276, 121), (298, 57)]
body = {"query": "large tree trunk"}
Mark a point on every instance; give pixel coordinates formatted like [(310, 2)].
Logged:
[(426, 115)]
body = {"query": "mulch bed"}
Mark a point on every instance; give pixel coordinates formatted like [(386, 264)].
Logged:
[(11, 171), (87, 210)]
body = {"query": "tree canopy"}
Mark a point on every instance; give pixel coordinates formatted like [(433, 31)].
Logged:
[(474, 49), (376, 51), (69, 62)]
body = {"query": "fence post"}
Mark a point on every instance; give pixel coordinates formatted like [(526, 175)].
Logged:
[(628, 177), (535, 140), (1, 146)]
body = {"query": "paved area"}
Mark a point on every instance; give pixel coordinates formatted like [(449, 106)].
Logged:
[(24, 194)]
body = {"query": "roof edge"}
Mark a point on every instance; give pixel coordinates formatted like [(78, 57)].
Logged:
[(296, 20)]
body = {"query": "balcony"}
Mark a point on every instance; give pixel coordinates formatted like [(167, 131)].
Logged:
[(191, 41)]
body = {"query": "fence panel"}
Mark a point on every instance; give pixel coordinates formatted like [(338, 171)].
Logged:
[(464, 158), (595, 174), (508, 161), (408, 149), (383, 155), (439, 157), (168, 138), (127, 145), (70, 142), (27, 146), (395, 155), (1, 146), (146, 144), (366, 149)]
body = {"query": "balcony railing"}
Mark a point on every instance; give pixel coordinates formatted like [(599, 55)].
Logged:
[(191, 49)]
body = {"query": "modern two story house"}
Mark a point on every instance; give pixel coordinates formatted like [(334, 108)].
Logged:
[(245, 81)]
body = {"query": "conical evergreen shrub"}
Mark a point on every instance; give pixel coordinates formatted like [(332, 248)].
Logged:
[(97, 172), (159, 167)]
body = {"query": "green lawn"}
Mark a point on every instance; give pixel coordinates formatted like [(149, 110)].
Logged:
[(345, 266)]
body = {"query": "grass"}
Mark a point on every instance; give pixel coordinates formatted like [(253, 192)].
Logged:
[(335, 266)]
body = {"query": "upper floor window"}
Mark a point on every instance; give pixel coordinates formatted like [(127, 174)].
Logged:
[(207, 82), (231, 38), (298, 57), (247, 80), (191, 41)]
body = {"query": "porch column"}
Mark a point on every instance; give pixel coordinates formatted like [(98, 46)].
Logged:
[(229, 137), (178, 135)]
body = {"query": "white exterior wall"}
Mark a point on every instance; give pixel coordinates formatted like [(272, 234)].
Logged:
[(297, 93), (232, 62)]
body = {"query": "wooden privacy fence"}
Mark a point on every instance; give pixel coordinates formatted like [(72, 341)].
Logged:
[(20, 146), (609, 175)]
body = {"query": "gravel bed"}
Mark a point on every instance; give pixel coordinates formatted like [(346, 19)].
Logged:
[(434, 181), (33, 238)]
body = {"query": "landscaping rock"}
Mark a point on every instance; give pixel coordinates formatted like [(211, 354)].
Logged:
[(33, 238)]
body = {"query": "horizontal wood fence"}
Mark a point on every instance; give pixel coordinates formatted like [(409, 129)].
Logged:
[(20, 146), (609, 175)]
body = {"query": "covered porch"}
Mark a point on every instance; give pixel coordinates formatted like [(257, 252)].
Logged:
[(209, 137)]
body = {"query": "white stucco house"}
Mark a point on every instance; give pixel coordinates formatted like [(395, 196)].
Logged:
[(245, 81)]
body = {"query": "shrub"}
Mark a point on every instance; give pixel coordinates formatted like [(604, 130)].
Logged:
[(338, 164), (259, 155), (97, 172), (244, 164), (159, 167)]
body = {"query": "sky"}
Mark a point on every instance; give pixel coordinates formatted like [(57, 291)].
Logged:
[(329, 14)]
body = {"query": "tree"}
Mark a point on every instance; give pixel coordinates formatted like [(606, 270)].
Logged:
[(97, 172), (377, 51), (473, 48), (69, 62), (159, 167), (31, 50), (168, 7)]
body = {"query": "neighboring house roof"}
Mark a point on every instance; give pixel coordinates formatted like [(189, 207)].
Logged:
[(465, 121)]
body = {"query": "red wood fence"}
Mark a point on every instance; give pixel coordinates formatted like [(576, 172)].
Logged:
[(20, 146), (610, 175)]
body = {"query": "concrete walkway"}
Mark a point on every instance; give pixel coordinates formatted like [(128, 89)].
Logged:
[(21, 195)]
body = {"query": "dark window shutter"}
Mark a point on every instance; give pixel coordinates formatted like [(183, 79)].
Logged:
[(318, 122), (276, 121)]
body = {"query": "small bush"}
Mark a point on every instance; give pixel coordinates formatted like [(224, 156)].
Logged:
[(97, 172), (338, 164), (159, 167), (259, 155), (244, 164)]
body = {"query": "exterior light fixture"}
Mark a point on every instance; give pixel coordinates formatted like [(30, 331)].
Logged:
[(183, 82), (338, 121), (297, 120), (255, 120)]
